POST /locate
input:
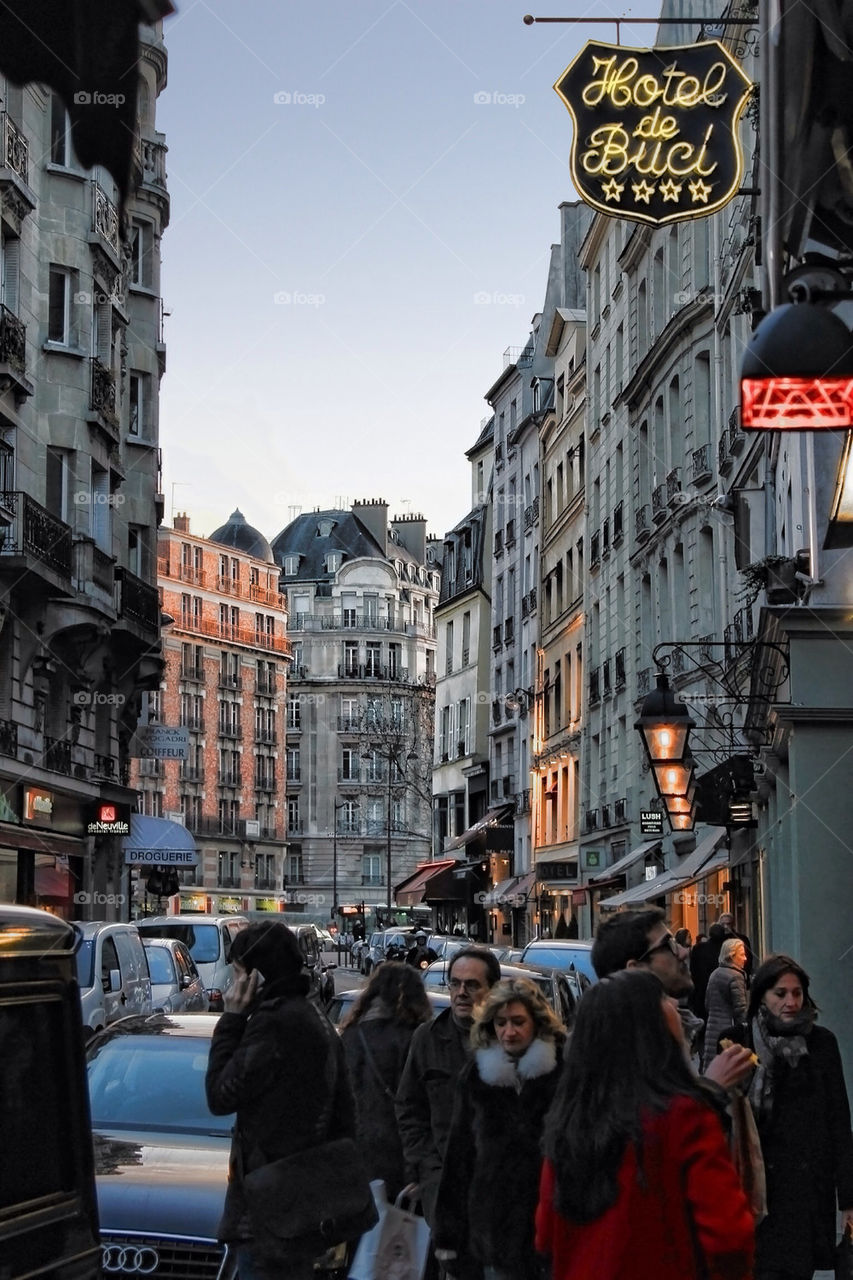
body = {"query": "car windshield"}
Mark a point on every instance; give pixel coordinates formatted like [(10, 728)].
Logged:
[(561, 958), (152, 1083), (202, 940), (160, 964), (85, 962)]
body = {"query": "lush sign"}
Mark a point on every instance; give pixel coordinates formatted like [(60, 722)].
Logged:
[(655, 129)]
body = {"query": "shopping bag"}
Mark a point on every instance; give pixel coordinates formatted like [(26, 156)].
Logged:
[(397, 1248), (844, 1257)]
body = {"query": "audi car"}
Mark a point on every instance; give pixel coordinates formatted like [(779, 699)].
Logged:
[(161, 1158)]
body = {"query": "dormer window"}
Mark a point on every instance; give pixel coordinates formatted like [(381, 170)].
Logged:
[(325, 527), (291, 564), (333, 561)]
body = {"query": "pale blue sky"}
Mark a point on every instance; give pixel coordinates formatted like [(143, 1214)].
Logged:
[(325, 252)]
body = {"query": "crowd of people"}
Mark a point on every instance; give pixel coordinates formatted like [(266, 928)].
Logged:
[(692, 1124)]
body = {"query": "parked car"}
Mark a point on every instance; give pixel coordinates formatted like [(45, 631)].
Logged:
[(112, 972), (560, 993), (397, 941), (342, 1002), (446, 945), (161, 1158), (208, 940), (559, 954), (48, 1211), (176, 985), (321, 969)]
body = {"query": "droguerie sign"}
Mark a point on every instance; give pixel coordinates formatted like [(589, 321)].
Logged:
[(655, 134)]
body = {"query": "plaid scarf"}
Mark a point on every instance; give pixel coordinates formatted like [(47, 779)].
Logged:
[(776, 1041)]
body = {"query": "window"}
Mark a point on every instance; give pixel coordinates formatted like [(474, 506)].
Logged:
[(141, 245), (100, 507), (293, 769), (333, 561), (448, 647), (291, 564), (293, 824), (60, 136), (348, 816), (294, 711), (349, 764), (59, 306), (138, 401), (7, 468), (10, 270), (375, 817), (229, 869), (371, 868), (59, 478), (351, 658), (373, 660)]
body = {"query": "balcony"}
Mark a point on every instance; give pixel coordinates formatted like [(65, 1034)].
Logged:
[(229, 778), (659, 503), (606, 685), (195, 674), (230, 682), (620, 811), (735, 432), (619, 668), (228, 729), (105, 767), (235, 634), (263, 782), (509, 630), (595, 550), (190, 772), (349, 724), (8, 739), (15, 149), (138, 600), (102, 398), (195, 724), (591, 820), (294, 775), (266, 688), (509, 539), (673, 487), (13, 354), (57, 755), (266, 737), (594, 687), (724, 458), (36, 533), (700, 466), (605, 537), (105, 220), (497, 710), (642, 524), (499, 542), (497, 636), (605, 817)]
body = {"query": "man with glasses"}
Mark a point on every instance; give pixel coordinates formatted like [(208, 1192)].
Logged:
[(437, 1054), (630, 939)]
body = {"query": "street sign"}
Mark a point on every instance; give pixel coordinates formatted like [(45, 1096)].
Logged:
[(161, 857), (160, 742)]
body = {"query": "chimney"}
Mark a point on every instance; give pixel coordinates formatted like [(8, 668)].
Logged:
[(182, 522), (373, 514), (411, 534)]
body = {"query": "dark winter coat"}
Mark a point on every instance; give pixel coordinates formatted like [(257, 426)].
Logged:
[(726, 1002), (808, 1160), (424, 1104), (490, 1182), (704, 958), (374, 1088), (270, 1067)]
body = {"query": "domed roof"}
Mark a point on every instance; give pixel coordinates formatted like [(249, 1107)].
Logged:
[(240, 535)]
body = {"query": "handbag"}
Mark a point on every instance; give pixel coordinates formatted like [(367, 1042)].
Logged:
[(747, 1156), (397, 1247), (844, 1256), (320, 1196)]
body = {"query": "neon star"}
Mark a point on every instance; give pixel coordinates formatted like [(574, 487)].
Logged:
[(643, 190), (613, 189), (670, 190), (699, 191)]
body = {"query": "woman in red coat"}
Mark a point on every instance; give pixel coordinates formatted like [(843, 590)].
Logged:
[(637, 1182)]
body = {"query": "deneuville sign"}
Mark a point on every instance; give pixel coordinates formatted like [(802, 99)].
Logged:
[(655, 130)]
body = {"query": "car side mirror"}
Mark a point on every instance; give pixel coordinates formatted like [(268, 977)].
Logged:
[(186, 981), (115, 980)]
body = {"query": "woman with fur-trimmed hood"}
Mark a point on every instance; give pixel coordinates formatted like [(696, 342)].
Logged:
[(490, 1179)]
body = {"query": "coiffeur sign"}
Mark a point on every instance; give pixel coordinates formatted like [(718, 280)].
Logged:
[(655, 129)]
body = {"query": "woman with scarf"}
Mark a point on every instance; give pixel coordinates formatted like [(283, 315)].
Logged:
[(800, 1105), (376, 1038), (490, 1179), (275, 1060), (725, 997)]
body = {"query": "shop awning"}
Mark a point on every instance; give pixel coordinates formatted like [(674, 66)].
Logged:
[(159, 842), (627, 860), (708, 856), (496, 827), (410, 892)]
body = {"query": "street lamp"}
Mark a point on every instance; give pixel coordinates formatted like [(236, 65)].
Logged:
[(392, 759), (343, 804), (664, 724)]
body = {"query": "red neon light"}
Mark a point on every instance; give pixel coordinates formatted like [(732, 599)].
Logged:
[(796, 404)]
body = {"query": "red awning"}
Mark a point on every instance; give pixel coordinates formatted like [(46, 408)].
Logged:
[(410, 892)]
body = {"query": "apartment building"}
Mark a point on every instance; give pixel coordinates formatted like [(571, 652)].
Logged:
[(362, 593), (81, 356), (225, 682)]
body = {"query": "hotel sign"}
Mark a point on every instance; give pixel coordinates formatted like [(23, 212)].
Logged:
[(655, 130)]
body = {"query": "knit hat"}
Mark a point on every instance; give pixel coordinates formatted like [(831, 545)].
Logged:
[(270, 947)]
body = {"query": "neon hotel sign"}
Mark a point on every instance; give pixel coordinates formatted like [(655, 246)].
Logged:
[(655, 130)]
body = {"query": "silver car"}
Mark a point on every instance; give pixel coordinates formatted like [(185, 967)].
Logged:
[(176, 985)]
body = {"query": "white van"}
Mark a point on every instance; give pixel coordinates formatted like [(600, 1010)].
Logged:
[(208, 940), (112, 971)]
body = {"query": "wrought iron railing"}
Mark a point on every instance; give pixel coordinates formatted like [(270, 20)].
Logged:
[(37, 532), (13, 340), (15, 148)]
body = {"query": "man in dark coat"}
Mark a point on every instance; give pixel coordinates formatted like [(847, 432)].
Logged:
[(438, 1052), (270, 1062), (704, 959)]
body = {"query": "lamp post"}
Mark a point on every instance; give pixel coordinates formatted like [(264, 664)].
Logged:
[(664, 724), (342, 804)]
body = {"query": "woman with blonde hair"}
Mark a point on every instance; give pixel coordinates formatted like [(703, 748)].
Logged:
[(489, 1183), (725, 997)]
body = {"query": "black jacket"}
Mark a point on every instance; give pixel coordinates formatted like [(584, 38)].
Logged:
[(270, 1067), (490, 1181), (424, 1106), (808, 1160), (374, 1087)]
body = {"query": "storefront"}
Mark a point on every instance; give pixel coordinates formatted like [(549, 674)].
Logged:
[(43, 849)]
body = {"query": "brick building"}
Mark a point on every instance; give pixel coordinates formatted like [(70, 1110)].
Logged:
[(225, 680)]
